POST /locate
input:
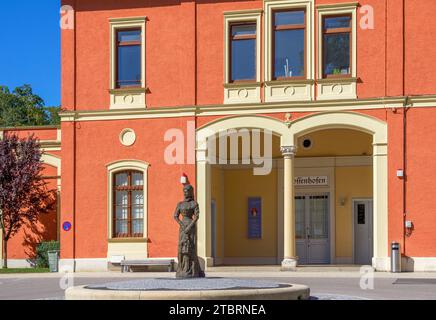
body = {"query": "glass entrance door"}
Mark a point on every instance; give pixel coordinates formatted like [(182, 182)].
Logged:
[(312, 228)]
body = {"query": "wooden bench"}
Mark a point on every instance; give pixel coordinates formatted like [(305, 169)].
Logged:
[(126, 265)]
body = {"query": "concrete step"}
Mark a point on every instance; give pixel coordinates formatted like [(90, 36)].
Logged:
[(276, 268)]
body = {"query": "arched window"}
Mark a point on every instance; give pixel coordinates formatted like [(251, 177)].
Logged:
[(128, 204)]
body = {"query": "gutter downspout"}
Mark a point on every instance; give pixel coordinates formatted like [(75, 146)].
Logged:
[(405, 109), (74, 137)]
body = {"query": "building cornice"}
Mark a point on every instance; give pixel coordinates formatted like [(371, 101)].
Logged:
[(253, 108), (347, 5), (18, 128)]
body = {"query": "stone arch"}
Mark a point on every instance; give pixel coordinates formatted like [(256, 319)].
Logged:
[(378, 129), (250, 122), (336, 120)]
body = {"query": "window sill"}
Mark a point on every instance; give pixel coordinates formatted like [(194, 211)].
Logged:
[(288, 90), (128, 90), (128, 98), (128, 240), (242, 92), (289, 81), (337, 88), (337, 79), (238, 84)]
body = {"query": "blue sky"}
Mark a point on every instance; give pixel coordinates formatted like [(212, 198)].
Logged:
[(30, 47)]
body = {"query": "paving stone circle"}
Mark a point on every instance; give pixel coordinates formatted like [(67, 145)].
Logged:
[(188, 284)]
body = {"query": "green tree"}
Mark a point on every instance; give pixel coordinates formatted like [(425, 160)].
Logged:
[(22, 107)]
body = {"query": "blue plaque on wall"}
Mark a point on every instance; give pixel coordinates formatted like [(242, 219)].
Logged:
[(255, 218)]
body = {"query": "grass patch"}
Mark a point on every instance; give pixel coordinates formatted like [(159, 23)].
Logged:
[(24, 270)]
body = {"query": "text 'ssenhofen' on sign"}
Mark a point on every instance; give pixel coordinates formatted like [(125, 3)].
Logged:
[(312, 181)]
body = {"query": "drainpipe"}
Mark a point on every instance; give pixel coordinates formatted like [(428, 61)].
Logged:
[(405, 109), (74, 136)]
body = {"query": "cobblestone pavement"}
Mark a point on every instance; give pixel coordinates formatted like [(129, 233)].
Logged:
[(324, 285)]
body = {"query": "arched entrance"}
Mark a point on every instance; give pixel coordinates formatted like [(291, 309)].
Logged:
[(289, 137)]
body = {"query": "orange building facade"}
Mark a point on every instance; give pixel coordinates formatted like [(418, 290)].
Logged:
[(344, 91)]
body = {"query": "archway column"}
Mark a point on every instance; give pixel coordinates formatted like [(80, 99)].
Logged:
[(290, 260), (204, 245), (380, 167)]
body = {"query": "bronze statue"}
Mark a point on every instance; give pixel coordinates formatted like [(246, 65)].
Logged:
[(188, 266)]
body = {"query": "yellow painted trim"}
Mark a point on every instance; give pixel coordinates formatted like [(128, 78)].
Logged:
[(300, 127), (335, 120), (270, 85), (267, 123), (55, 162), (29, 128), (249, 109), (333, 9), (336, 80), (242, 12), (321, 7), (112, 168), (242, 16), (127, 240), (137, 97), (378, 129)]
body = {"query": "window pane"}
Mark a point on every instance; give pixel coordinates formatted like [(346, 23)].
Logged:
[(319, 217), (137, 227), (128, 36), (129, 66), (337, 22), (122, 213), (138, 198), (244, 30), (122, 197), (138, 179), (289, 53), (121, 179), (288, 17), (243, 59), (121, 227), (137, 212), (337, 53), (300, 223)]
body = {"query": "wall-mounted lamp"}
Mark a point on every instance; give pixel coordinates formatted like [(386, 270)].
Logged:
[(409, 228), (342, 201)]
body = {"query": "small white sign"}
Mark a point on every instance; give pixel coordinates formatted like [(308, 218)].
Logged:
[(312, 181)]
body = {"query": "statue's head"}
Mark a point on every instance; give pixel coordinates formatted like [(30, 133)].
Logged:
[(188, 192)]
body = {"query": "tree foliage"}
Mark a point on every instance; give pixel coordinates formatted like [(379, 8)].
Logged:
[(24, 195), (22, 107)]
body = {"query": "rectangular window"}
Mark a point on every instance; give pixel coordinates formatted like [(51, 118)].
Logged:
[(337, 46), (243, 52), (128, 58), (289, 38), (128, 205)]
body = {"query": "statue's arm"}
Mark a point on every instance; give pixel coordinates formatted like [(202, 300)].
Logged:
[(194, 220), (176, 216)]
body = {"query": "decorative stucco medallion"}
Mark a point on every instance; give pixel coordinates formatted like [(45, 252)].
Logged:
[(127, 137)]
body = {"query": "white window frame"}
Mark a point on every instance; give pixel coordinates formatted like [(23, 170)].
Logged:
[(126, 98), (337, 88), (289, 90), (243, 92)]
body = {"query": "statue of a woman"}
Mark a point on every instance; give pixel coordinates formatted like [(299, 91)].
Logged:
[(188, 266)]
